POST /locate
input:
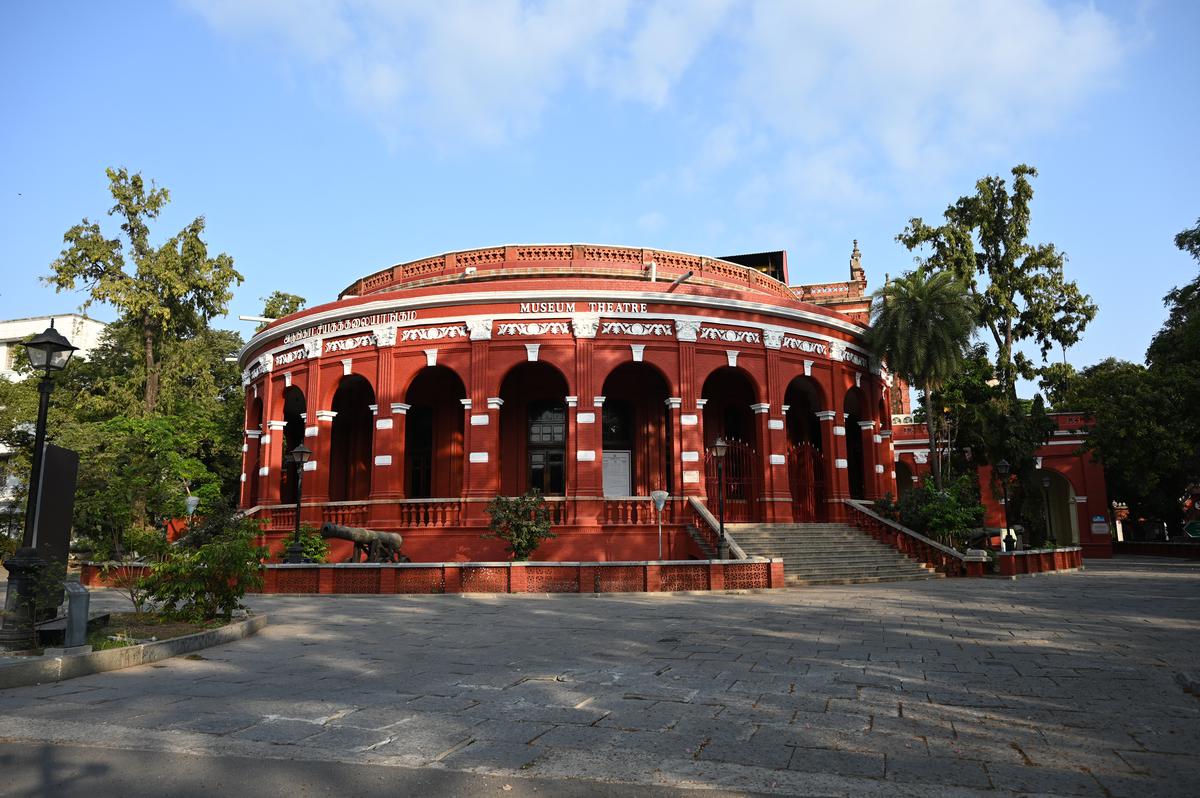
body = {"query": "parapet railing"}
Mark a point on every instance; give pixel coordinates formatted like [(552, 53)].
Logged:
[(913, 544), (710, 528)]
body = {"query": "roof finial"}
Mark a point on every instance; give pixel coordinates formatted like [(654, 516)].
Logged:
[(856, 269)]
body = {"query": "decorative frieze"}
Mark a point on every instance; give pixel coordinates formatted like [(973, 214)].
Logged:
[(433, 333), (291, 356), (533, 328), (730, 336), (636, 328), (805, 345), (349, 344), (773, 339)]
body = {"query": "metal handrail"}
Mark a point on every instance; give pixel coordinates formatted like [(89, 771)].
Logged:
[(708, 518)]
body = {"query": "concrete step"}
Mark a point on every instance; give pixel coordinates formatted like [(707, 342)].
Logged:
[(827, 554), (800, 582)]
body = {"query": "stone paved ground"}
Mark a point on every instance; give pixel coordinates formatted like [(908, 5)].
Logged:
[(1076, 684)]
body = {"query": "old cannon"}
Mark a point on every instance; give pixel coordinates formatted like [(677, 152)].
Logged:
[(374, 546)]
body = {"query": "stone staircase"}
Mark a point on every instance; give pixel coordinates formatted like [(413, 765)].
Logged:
[(827, 554)]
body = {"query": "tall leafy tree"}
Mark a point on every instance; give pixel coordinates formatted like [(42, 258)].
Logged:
[(1020, 290), (1147, 432), (163, 293), (922, 324), (279, 304)]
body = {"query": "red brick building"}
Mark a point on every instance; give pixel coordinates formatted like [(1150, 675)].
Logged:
[(595, 374)]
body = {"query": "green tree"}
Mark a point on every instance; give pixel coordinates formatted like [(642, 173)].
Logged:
[(1146, 429), (1020, 288), (280, 304), (922, 324), (173, 290)]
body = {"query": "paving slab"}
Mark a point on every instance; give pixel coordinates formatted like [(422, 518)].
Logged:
[(1074, 684)]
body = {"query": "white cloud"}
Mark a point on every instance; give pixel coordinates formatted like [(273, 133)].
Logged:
[(830, 91)]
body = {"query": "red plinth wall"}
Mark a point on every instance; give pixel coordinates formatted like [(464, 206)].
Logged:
[(521, 577), (1037, 561)]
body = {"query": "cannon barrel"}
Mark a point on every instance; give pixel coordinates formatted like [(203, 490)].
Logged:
[(357, 534)]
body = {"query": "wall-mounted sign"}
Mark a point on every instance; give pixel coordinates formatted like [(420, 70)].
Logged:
[(348, 325)]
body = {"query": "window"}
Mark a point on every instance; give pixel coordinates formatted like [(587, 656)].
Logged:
[(547, 447)]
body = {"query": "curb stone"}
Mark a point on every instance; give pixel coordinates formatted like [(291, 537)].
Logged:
[(55, 669)]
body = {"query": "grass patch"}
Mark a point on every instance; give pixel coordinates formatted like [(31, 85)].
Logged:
[(130, 629)]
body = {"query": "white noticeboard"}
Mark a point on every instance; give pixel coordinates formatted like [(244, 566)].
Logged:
[(617, 467)]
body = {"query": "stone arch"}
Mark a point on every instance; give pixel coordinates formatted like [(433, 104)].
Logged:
[(351, 440), (433, 434), (728, 394), (533, 430), (855, 409), (295, 413), (636, 428), (805, 458)]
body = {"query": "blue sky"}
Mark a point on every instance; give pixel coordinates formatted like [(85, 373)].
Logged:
[(324, 140)]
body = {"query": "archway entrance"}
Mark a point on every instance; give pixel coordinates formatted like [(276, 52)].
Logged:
[(904, 479), (294, 414), (1063, 518), (728, 394), (854, 412), (433, 434), (533, 430), (350, 440), (636, 432), (806, 462)]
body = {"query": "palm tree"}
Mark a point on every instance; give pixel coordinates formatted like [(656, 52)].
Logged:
[(922, 324)]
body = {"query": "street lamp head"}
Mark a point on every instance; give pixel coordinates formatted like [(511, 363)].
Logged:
[(719, 448), (300, 454), (1003, 469), (49, 351)]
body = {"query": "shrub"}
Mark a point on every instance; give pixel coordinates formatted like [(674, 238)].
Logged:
[(314, 547), (948, 515), (522, 522), (202, 583), (127, 572)]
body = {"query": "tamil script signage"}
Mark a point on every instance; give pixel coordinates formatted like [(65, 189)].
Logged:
[(350, 325)]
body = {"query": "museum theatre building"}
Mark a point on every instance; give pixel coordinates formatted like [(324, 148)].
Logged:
[(592, 374)]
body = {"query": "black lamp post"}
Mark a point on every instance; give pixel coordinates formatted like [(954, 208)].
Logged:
[(48, 352), (1004, 469), (720, 447), (298, 457), (1049, 519)]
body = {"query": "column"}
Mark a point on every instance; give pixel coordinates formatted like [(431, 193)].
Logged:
[(270, 444), (690, 456), (871, 467), (387, 482), (481, 427), (318, 425), (837, 482), (250, 473), (888, 460)]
